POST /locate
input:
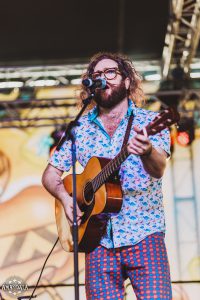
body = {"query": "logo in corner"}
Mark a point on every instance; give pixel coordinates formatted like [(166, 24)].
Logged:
[(14, 286)]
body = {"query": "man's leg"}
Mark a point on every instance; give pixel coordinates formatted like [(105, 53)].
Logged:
[(103, 276), (147, 267)]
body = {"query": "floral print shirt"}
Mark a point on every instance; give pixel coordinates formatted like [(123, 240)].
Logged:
[(142, 210)]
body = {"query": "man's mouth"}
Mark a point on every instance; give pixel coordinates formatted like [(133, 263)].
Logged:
[(105, 88)]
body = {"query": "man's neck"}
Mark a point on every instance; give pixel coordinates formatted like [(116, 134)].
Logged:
[(111, 118), (116, 112)]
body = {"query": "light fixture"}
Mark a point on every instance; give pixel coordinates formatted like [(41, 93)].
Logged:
[(195, 74), (76, 81), (11, 84), (42, 82), (152, 77)]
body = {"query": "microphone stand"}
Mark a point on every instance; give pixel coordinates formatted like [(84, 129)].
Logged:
[(70, 135)]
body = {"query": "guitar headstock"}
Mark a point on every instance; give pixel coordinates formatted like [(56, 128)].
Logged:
[(165, 119)]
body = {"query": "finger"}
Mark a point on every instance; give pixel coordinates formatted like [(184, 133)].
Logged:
[(141, 134), (69, 215), (142, 138), (142, 131), (137, 129), (145, 131), (136, 150), (141, 144), (70, 221), (79, 213)]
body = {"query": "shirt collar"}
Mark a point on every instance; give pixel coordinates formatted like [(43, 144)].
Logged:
[(93, 113)]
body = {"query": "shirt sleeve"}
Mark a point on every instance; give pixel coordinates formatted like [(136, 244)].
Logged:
[(62, 159), (162, 140)]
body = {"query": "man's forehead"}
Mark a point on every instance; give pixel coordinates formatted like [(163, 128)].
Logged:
[(105, 63)]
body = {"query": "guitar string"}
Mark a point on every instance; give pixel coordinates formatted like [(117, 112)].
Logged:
[(108, 170)]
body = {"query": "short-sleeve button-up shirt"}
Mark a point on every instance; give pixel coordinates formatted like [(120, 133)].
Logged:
[(142, 210)]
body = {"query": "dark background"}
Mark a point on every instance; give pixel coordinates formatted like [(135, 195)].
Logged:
[(71, 31)]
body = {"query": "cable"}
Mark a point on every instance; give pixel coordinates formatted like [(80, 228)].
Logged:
[(32, 295)]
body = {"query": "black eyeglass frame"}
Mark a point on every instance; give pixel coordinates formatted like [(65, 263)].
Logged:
[(99, 73)]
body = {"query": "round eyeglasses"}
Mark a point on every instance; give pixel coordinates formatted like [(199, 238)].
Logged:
[(109, 73)]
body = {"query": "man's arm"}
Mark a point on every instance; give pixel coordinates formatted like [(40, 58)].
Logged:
[(51, 180), (154, 160)]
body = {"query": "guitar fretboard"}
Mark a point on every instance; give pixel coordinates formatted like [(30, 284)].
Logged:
[(110, 168)]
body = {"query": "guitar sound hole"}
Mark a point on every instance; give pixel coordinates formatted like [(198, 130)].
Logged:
[(88, 193)]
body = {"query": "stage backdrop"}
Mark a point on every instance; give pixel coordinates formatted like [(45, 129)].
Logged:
[(27, 221)]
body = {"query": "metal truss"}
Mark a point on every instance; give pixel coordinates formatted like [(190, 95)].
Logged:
[(60, 111), (36, 112), (182, 37)]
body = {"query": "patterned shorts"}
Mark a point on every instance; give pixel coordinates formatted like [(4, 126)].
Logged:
[(145, 264)]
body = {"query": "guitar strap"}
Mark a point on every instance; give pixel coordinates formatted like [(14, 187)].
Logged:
[(126, 137), (128, 130)]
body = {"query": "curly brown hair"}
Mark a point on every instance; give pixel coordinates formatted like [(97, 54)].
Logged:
[(126, 68)]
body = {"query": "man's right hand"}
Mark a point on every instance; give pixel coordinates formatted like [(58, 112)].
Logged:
[(53, 183), (68, 207)]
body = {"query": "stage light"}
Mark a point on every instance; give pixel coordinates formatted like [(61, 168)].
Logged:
[(185, 132), (183, 138)]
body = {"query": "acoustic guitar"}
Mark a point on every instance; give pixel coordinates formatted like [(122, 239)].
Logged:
[(99, 191)]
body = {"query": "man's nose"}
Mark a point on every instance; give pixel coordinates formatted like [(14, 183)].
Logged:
[(102, 75)]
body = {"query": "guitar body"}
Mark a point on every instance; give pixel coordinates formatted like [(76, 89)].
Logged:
[(95, 205), (98, 193)]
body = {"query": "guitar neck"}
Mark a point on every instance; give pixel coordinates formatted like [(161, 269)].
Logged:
[(161, 121), (110, 168)]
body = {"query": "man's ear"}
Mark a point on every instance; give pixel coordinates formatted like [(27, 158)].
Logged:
[(127, 83)]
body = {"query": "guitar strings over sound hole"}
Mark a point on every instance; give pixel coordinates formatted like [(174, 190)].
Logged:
[(88, 193)]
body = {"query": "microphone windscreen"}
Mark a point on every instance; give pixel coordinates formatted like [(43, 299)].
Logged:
[(103, 83), (87, 82)]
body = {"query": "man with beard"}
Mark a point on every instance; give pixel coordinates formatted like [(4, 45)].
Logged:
[(133, 246)]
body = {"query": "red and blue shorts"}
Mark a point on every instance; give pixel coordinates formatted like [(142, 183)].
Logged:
[(145, 264)]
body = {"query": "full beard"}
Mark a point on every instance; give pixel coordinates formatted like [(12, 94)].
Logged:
[(109, 101)]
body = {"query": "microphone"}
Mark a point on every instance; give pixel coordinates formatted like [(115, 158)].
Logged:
[(99, 83)]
